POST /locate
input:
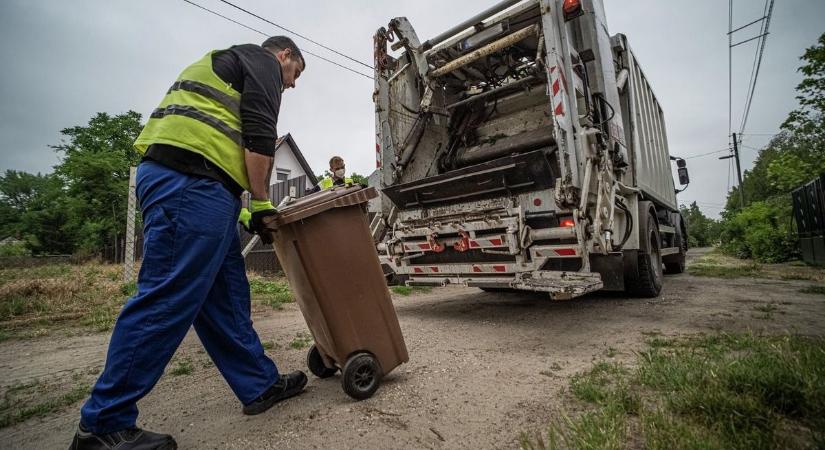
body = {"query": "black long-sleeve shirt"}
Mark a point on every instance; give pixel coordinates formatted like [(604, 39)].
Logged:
[(256, 74)]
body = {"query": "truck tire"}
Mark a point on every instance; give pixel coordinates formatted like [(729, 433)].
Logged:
[(675, 264), (648, 280)]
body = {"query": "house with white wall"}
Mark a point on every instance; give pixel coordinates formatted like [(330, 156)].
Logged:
[(290, 163)]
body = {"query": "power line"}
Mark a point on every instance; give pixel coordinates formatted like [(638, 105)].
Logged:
[(265, 34), (707, 154), (296, 34), (751, 148), (757, 61)]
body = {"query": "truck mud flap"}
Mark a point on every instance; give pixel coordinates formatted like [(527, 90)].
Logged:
[(503, 176)]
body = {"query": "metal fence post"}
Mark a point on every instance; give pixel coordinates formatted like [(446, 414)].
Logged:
[(129, 260)]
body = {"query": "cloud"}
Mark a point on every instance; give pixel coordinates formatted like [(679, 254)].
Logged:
[(65, 61)]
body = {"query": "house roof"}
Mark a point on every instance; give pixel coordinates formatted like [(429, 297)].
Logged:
[(311, 179)]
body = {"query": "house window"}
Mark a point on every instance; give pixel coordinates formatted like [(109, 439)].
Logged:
[(282, 175)]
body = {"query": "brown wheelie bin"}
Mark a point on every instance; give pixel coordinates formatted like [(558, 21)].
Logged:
[(327, 252)]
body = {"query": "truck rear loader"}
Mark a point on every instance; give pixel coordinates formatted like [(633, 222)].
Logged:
[(524, 149)]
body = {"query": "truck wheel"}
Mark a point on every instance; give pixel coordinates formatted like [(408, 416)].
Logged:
[(675, 264), (316, 364), (361, 376), (649, 281)]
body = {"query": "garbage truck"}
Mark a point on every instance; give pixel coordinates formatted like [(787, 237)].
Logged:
[(523, 149)]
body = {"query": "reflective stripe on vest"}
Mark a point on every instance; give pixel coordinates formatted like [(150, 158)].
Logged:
[(327, 182), (200, 113), (192, 112), (207, 91)]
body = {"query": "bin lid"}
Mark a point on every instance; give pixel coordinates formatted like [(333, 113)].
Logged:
[(316, 203)]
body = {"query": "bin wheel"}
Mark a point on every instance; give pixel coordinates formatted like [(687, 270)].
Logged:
[(361, 376), (316, 364)]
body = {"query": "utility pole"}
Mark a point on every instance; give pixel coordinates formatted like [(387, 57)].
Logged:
[(738, 170)]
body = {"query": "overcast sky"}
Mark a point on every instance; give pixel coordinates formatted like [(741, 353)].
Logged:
[(67, 60)]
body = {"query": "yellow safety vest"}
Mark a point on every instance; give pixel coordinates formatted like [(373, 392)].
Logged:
[(200, 113)]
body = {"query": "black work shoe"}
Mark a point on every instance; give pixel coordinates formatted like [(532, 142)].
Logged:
[(129, 439), (287, 386)]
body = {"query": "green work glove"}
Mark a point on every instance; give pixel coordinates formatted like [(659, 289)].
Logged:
[(259, 210), (245, 219)]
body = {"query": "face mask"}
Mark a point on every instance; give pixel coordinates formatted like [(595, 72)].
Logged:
[(339, 173)]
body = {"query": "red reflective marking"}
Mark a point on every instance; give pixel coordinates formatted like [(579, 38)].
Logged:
[(424, 246), (559, 110), (474, 244), (536, 202), (477, 269), (434, 269), (495, 241), (418, 270), (500, 268), (556, 87), (565, 251)]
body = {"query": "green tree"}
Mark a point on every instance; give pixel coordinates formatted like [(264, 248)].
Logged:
[(18, 188), (360, 179), (702, 230), (17, 191), (809, 118), (95, 169), (45, 224)]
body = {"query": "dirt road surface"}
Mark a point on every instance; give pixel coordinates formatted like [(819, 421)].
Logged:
[(483, 367)]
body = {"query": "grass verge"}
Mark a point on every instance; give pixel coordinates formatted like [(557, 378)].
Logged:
[(736, 391), (301, 340), (409, 290), (37, 399), (715, 264), (89, 295), (182, 367), (272, 293), (816, 290)]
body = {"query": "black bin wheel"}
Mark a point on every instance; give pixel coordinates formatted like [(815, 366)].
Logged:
[(361, 376), (316, 364)]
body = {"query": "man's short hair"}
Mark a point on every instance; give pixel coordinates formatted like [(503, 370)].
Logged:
[(278, 43), (334, 160)]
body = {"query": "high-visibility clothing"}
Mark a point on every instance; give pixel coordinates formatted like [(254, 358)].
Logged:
[(200, 113)]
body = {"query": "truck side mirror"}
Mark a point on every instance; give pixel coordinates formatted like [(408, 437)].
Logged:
[(684, 178)]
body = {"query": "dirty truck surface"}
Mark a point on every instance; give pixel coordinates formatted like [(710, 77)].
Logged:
[(483, 367)]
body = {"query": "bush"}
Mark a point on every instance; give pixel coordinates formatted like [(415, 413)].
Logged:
[(14, 249), (761, 231)]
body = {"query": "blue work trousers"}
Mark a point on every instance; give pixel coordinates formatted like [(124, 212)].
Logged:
[(192, 273)]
